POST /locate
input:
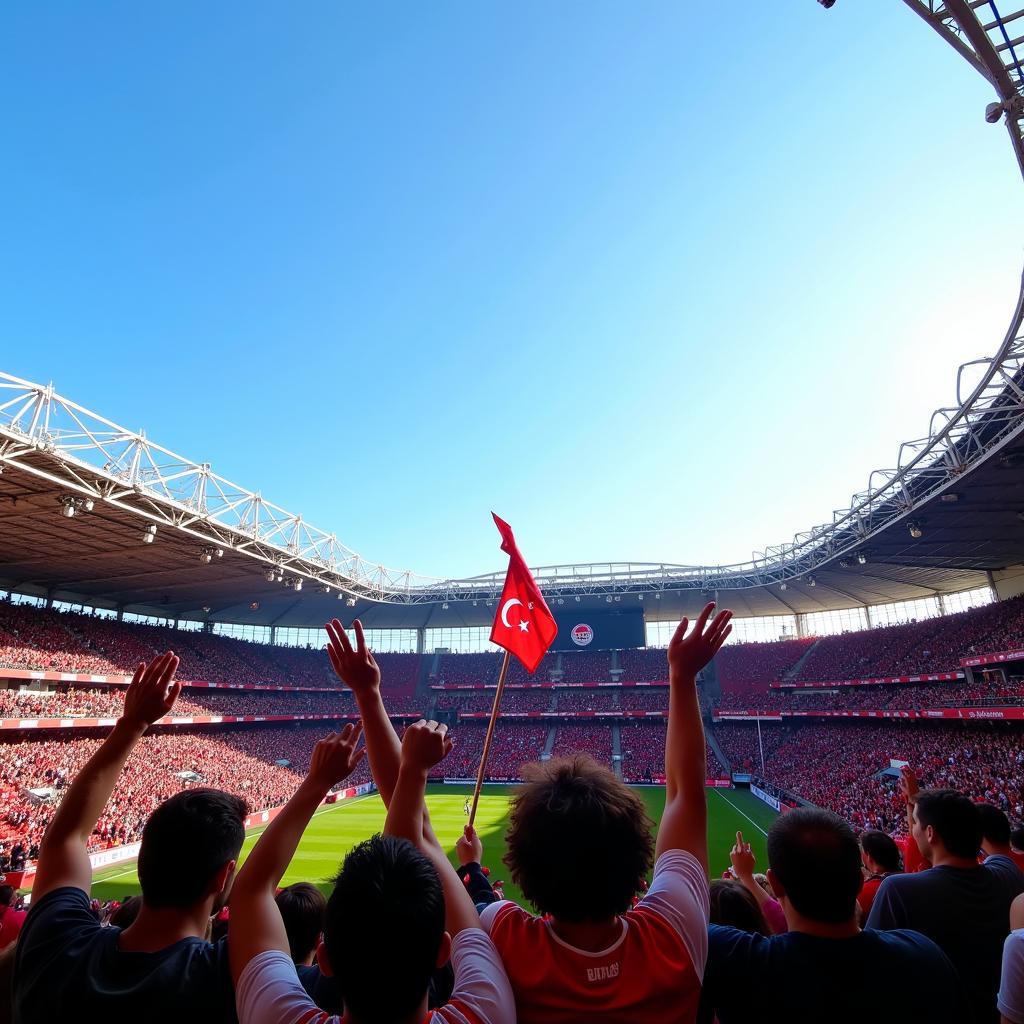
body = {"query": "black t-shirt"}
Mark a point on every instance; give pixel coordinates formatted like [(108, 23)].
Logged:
[(884, 977), (67, 965)]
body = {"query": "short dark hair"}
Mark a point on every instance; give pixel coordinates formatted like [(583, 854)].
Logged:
[(954, 817), (882, 849), (186, 841), (6, 895), (579, 840), (302, 907), (995, 826), (816, 858), (1017, 838), (383, 927), (734, 906)]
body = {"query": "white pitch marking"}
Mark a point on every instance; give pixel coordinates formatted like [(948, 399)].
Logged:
[(738, 811)]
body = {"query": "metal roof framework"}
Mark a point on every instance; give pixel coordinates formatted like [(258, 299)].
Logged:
[(88, 459)]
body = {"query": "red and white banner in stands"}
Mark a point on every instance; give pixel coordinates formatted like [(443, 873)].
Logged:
[(544, 686), (992, 659), (963, 714), (850, 714), (565, 714), (130, 851), (742, 716), (103, 723), (92, 680), (718, 783), (935, 677)]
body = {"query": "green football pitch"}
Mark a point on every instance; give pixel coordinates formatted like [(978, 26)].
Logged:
[(335, 830)]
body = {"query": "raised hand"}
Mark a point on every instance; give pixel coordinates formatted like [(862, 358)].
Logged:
[(742, 858), (908, 783), (335, 757), (425, 744), (152, 691), (355, 668), (468, 847), (687, 655)]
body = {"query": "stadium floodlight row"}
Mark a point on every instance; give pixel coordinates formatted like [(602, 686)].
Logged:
[(92, 459)]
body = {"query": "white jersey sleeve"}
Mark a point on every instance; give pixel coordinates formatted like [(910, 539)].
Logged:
[(269, 992), (1011, 984), (482, 994), (681, 895)]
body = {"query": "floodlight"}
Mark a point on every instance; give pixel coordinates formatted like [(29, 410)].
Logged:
[(351, 602), (811, 581), (149, 533), (782, 586), (915, 530), (269, 575), (67, 508), (297, 584), (862, 559), (444, 606), (87, 504)]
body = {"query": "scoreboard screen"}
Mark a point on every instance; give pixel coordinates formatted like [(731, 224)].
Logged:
[(598, 631)]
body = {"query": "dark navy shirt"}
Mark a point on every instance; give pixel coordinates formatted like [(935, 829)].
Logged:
[(965, 911), (796, 978), (68, 967)]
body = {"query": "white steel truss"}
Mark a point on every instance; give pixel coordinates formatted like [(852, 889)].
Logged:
[(62, 442)]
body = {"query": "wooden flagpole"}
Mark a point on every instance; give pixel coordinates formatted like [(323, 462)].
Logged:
[(490, 734)]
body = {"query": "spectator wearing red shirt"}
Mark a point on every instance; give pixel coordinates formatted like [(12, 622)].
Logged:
[(578, 844), (881, 857)]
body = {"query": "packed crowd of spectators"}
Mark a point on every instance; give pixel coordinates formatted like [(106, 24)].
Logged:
[(48, 640), (930, 645), (837, 766), (633, 699), (877, 697), (513, 746), (740, 666), (72, 702), (642, 746), (589, 699), (643, 665), (519, 701), (587, 666), (241, 761), (595, 740)]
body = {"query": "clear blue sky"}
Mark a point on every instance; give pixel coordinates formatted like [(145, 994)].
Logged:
[(656, 281)]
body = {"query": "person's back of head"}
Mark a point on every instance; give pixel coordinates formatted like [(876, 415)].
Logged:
[(7, 893), (995, 827), (734, 906), (947, 819), (384, 929), (302, 908), (882, 850), (189, 848), (579, 840), (1017, 838), (815, 858)]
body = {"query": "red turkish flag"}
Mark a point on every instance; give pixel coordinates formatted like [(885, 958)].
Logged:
[(524, 625)]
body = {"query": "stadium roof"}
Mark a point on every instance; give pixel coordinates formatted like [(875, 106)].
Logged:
[(96, 514)]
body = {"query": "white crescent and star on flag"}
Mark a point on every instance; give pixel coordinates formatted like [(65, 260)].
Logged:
[(524, 623)]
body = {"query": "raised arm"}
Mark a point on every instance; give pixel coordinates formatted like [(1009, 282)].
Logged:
[(424, 745), (358, 670), (63, 860), (741, 856), (255, 924), (914, 859), (684, 823)]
